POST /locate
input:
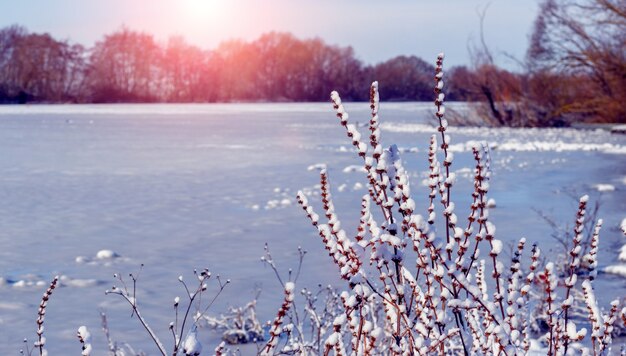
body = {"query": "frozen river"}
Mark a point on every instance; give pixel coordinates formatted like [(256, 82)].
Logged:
[(178, 187)]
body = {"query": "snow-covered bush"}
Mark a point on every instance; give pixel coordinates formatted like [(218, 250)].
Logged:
[(438, 284)]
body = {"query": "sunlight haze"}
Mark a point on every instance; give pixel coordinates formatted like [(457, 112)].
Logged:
[(376, 30)]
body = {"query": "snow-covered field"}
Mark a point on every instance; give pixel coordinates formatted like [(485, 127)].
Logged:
[(87, 191)]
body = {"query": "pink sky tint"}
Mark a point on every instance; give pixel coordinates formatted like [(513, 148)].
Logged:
[(377, 30)]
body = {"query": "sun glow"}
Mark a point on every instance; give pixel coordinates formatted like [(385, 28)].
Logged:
[(201, 9)]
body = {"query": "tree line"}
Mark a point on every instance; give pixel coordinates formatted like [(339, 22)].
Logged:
[(131, 66), (575, 69)]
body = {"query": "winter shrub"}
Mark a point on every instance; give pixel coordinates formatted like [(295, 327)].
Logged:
[(415, 289)]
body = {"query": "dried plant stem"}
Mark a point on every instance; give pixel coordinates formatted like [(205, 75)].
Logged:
[(275, 330), (41, 340), (132, 301), (146, 326), (574, 262), (105, 329), (443, 125)]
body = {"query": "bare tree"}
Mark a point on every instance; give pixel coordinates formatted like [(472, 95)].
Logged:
[(39, 67), (498, 90), (575, 69), (584, 43), (125, 66)]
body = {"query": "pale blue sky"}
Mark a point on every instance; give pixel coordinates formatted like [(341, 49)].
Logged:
[(376, 29)]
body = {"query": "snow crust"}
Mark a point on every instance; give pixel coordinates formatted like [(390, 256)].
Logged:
[(171, 191), (522, 139)]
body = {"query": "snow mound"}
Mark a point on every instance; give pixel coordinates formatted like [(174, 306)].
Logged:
[(464, 172), (277, 203), (317, 166), (354, 168), (604, 187), (621, 129), (32, 280), (12, 306), (23, 281), (106, 254), (79, 283), (104, 257), (619, 270), (280, 198)]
